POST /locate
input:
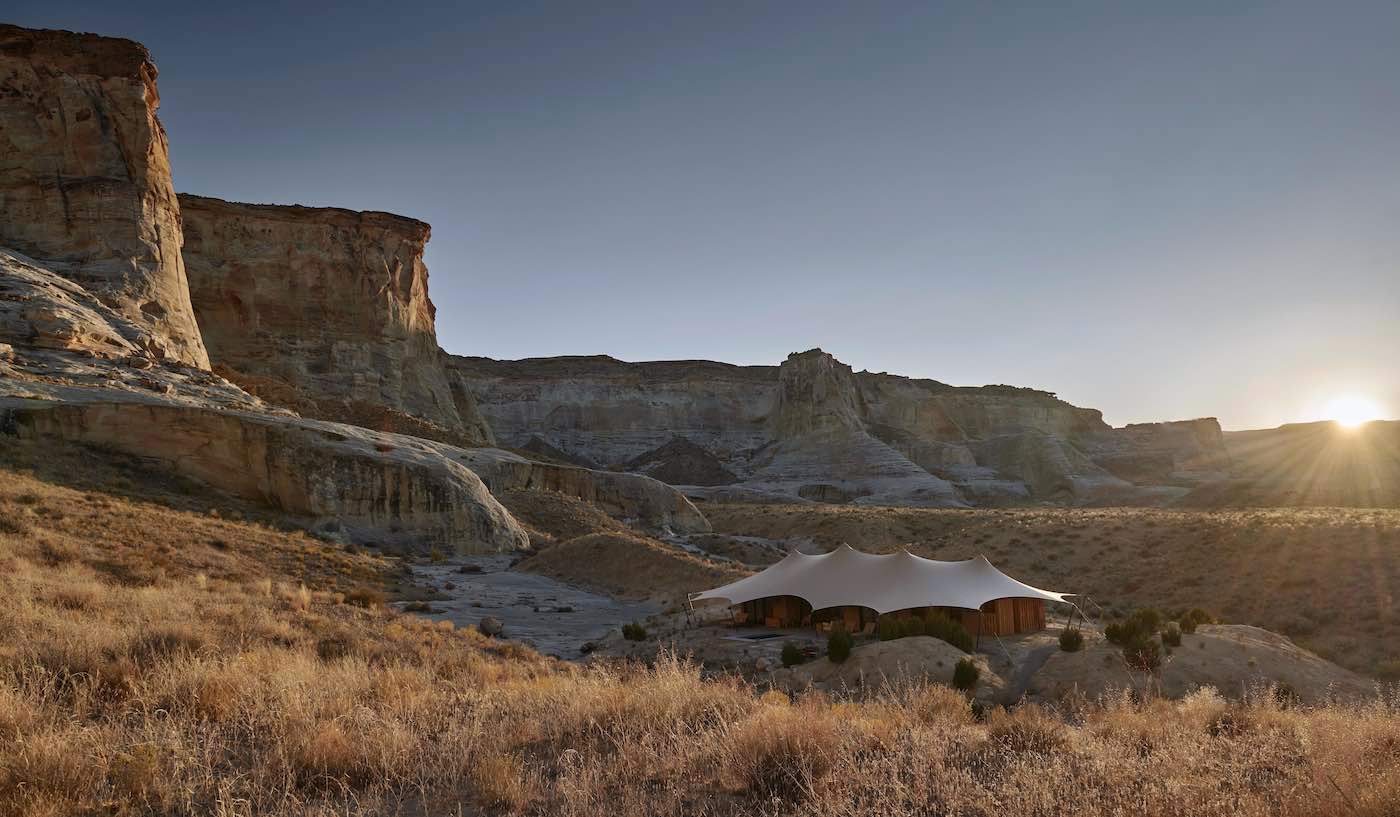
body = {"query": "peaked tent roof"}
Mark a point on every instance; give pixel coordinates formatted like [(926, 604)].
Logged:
[(884, 583)]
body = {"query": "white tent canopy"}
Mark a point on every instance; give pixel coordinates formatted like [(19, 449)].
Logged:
[(884, 583)]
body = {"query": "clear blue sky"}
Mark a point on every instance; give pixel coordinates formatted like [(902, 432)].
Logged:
[(1162, 210)]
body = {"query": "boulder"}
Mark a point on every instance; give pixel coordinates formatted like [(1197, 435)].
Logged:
[(492, 626)]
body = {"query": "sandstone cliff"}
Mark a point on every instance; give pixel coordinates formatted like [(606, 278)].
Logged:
[(813, 429), (85, 180), (67, 374), (325, 310)]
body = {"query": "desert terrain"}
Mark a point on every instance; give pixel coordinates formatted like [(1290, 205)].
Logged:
[(267, 548)]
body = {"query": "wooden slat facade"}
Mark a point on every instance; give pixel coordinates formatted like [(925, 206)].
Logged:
[(998, 617)]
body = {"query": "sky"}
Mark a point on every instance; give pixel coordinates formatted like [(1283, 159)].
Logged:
[(1160, 210)]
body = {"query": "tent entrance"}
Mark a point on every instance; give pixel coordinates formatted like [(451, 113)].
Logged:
[(774, 611)]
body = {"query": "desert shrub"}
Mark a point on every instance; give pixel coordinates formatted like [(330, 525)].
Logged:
[(912, 626), (12, 523), (792, 654), (634, 631), (889, 629), (1193, 618), (782, 753), (1284, 695), (1388, 670), (1029, 729), (1142, 624), (1171, 634), (365, 597), (941, 626), (1071, 640), (165, 642), (838, 645), (1143, 653), (965, 674), (499, 782)]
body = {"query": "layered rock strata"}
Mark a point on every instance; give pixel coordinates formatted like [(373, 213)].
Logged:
[(85, 180), (814, 429), (327, 311)]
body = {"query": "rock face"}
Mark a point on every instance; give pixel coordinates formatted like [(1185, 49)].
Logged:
[(68, 374), (813, 429), (380, 487), (635, 498), (85, 181), (325, 310)]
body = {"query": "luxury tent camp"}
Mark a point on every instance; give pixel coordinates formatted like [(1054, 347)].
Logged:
[(855, 588)]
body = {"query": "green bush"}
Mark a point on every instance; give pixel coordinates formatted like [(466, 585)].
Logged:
[(912, 626), (965, 674), (941, 626), (1193, 618), (634, 632), (838, 645), (1142, 624), (1171, 634), (792, 654), (1143, 653), (889, 629), (1071, 640)]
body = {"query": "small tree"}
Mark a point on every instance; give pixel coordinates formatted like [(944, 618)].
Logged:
[(634, 631), (1171, 634), (912, 626), (792, 654), (838, 645), (889, 629), (965, 674), (1193, 618), (1071, 640)]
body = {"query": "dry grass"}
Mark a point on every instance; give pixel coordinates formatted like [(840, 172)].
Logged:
[(1329, 578), (228, 681)]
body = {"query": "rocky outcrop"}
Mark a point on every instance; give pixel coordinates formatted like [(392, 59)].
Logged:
[(609, 412), (378, 487), (814, 429), (634, 498), (682, 462), (325, 310), (85, 184), (1184, 452), (68, 375)]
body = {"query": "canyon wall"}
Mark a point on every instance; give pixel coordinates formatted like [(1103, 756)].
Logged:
[(325, 310), (812, 428), (85, 184)]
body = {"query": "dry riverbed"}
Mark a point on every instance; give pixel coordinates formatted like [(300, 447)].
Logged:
[(553, 617)]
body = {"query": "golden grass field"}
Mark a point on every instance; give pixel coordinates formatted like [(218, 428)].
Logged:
[(1329, 578), (158, 659)]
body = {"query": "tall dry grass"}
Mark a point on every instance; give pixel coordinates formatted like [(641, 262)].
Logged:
[(218, 686)]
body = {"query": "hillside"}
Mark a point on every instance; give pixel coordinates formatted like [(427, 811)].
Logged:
[(1326, 577), (168, 656)]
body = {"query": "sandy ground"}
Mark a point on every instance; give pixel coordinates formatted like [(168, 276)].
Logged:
[(550, 616)]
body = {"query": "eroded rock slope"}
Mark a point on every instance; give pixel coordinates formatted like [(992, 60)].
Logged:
[(813, 429)]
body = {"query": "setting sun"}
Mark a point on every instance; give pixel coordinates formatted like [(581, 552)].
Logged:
[(1350, 411)]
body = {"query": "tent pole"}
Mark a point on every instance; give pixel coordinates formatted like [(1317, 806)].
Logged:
[(978, 643)]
